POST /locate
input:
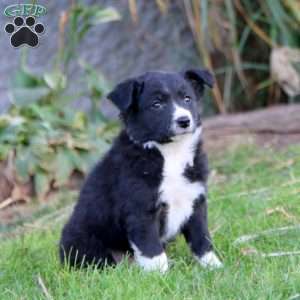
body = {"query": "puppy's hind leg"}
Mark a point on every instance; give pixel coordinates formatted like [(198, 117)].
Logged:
[(84, 252)]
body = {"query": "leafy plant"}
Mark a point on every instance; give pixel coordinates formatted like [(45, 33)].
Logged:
[(78, 21), (49, 147), (47, 141)]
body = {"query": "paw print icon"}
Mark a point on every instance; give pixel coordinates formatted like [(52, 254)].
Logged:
[(24, 31)]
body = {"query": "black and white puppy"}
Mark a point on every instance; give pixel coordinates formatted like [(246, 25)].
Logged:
[(151, 185)]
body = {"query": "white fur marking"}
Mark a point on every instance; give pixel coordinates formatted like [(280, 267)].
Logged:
[(176, 190), (149, 145), (181, 112), (209, 260), (156, 263)]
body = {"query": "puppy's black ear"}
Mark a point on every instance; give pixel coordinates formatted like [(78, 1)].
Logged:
[(124, 94), (199, 78)]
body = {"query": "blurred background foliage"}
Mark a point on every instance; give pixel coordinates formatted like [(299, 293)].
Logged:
[(251, 46), (43, 141)]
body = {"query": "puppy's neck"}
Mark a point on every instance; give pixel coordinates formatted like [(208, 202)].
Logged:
[(148, 144), (134, 141)]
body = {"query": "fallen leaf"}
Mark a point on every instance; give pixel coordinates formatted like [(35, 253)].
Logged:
[(283, 70)]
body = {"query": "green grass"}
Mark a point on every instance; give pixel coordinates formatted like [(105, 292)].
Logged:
[(248, 183)]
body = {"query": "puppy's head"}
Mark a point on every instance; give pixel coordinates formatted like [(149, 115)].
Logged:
[(158, 106)]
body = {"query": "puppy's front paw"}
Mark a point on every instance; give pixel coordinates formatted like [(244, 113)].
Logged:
[(210, 260), (155, 263)]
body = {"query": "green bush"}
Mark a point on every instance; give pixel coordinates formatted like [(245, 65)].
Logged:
[(45, 140)]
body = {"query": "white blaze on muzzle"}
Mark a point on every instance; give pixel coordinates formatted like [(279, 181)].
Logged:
[(179, 114)]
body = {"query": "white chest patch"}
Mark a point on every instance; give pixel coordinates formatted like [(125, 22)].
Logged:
[(176, 190)]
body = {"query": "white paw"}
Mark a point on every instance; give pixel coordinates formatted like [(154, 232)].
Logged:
[(210, 260), (155, 263)]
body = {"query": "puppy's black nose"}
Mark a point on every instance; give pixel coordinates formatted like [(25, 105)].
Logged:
[(183, 122)]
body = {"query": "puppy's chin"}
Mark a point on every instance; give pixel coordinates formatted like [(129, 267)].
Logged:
[(177, 133), (181, 131)]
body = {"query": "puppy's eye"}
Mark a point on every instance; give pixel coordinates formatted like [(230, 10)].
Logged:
[(187, 99), (156, 105)]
